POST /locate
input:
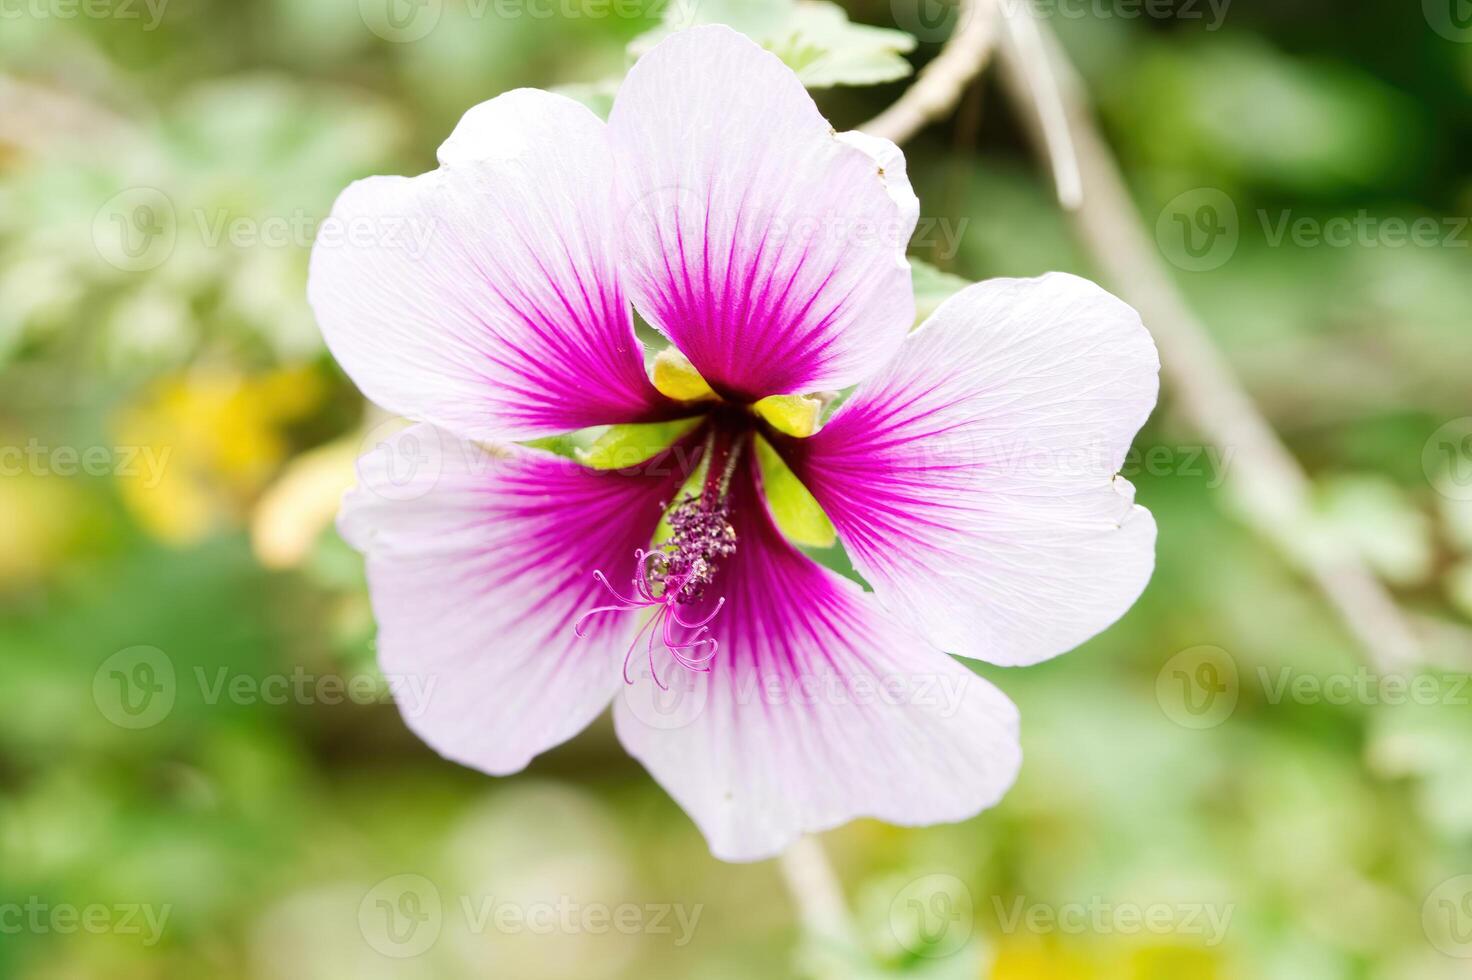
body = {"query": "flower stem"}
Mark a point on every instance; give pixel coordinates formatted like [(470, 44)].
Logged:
[(816, 892)]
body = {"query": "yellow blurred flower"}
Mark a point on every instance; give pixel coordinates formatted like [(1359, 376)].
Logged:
[(302, 503), (1036, 961), (216, 436), (41, 525), (1032, 959)]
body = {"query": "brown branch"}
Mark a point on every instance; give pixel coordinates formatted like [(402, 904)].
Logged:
[(940, 84), (1270, 490)]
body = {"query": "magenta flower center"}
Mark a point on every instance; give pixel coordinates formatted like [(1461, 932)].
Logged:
[(676, 574)]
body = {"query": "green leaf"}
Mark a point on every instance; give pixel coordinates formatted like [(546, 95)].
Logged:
[(814, 38), (795, 510), (826, 49), (1379, 521), (1243, 113), (623, 446), (932, 288)]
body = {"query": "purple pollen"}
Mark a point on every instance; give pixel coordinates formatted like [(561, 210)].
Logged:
[(673, 576), (702, 538)]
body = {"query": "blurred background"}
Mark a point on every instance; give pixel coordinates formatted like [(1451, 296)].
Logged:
[(202, 774)]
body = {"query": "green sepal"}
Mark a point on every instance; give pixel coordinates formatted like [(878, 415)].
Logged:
[(623, 446), (794, 508)]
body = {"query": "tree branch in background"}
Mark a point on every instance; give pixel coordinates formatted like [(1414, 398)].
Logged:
[(1269, 488), (941, 83)]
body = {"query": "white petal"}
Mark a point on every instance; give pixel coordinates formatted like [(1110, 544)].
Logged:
[(767, 247), (479, 562), (484, 296), (974, 480), (819, 708)]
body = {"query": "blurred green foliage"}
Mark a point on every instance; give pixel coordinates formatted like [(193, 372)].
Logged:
[(262, 828)]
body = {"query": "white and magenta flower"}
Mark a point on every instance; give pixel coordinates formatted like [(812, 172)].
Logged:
[(971, 476)]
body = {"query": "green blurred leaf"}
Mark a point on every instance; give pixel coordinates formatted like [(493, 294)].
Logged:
[(1378, 519), (814, 38), (1235, 110), (826, 49)]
